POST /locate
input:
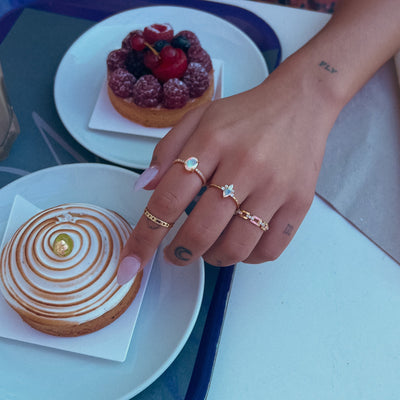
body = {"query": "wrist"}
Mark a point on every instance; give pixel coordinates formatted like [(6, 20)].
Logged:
[(309, 87)]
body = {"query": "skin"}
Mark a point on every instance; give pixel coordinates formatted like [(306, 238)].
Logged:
[(269, 142)]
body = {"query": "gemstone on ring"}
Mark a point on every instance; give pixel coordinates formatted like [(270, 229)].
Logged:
[(191, 164), (228, 190)]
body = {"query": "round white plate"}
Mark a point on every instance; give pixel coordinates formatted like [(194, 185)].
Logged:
[(82, 71), (168, 314)]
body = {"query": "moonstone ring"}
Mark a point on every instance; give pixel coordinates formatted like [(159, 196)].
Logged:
[(191, 165), (227, 191)]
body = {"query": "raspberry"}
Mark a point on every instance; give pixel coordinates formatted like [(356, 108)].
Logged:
[(135, 64), (126, 43), (176, 93), (190, 36), (121, 82), (116, 59), (198, 55), (147, 91), (196, 79)]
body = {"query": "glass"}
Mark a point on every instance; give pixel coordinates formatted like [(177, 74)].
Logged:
[(9, 127)]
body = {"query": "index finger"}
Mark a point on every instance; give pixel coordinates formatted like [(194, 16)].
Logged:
[(172, 196)]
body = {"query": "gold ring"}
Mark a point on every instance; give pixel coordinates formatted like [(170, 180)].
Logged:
[(257, 221), (191, 165), (157, 220), (227, 191)]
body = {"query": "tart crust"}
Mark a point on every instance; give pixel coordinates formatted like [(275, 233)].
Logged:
[(159, 117), (63, 328)]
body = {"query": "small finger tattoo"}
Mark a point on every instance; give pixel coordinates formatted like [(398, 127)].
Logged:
[(152, 225), (182, 253), (288, 230)]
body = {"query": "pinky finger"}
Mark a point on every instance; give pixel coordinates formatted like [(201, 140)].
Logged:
[(283, 226)]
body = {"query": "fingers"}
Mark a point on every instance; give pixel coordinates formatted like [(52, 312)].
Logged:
[(167, 203), (213, 231), (240, 237), (283, 227), (173, 194), (202, 228)]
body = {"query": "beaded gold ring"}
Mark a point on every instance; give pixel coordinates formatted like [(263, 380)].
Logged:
[(157, 220)]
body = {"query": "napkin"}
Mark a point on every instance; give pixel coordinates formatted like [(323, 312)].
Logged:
[(360, 175)]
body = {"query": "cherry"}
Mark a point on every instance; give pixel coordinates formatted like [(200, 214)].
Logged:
[(151, 60), (173, 63), (137, 41), (168, 54), (156, 32)]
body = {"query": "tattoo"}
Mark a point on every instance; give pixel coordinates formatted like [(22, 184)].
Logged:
[(325, 65), (182, 253), (288, 230), (152, 225)]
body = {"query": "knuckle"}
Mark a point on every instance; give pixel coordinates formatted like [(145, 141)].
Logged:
[(142, 241), (166, 203), (228, 254), (302, 201), (265, 253), (202, 235), (235, 252), (279, 182)]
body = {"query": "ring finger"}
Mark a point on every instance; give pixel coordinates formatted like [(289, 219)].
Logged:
[(249, 225)]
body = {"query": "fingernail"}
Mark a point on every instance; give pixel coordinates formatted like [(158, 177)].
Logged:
[(128, 268), (146, 177)]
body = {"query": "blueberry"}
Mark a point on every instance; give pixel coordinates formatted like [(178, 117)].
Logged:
[(160, 44), (181, 42)]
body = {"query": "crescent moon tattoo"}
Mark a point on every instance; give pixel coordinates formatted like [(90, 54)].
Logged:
[(182, 253)]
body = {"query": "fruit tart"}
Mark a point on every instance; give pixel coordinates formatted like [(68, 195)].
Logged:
[(157, 76)]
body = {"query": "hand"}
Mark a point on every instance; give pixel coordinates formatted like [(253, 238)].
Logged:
[(269, 143)]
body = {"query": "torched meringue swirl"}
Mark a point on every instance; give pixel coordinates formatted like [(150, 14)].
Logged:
[(77, 287)]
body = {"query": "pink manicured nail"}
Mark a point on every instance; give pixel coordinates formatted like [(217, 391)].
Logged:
[(147, 176), (128, 268)]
